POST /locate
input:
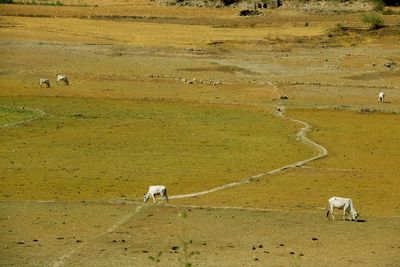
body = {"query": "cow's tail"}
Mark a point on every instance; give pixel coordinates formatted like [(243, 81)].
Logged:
[(329, 210), (165, 194)]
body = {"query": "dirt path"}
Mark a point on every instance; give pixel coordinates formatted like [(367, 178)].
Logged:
[(301, 136), (64, 258)]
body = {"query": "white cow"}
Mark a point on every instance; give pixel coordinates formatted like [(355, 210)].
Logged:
[(44, 81), (381, 97), (342, 203), (63, 78), (156, 190)]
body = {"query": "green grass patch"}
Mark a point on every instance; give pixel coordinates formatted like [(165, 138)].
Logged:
[(38, 2), (107, 149), (9, 115)]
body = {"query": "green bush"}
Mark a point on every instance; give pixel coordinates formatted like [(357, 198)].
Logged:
[(6, 1), (374, 21), (379, 5)]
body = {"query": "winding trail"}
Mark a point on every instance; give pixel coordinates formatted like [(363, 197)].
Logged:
[(301, 136), (280, 112)]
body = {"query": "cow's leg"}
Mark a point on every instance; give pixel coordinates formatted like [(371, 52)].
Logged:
[(332, 210), (154, 199), (344, 213)]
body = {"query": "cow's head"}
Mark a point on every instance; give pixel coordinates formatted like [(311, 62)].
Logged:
[(145, 198), (355, 215)]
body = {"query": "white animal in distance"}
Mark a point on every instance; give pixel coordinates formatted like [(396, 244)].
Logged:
[(62, 78), (44, 81), (156, 190), (381, 97), (342, 203)]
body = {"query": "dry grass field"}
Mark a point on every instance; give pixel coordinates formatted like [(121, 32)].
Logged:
[(188, 97)]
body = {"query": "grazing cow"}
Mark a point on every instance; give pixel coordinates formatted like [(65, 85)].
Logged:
[(63, 78), (156, 190), (43, 81), (381, 97), (342, 203)]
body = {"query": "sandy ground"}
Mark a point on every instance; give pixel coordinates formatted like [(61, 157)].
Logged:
[(120, 53)]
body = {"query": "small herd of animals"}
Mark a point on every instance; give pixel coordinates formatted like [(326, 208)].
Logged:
[(59, 78), (346, 204), (63, 78)]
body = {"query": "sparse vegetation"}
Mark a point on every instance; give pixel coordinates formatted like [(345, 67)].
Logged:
[(188, 254), (156, 258), (341, 27), (373, 20), (39, 2), (249, 12)]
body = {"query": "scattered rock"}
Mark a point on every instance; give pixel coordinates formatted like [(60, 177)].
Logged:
[(35, 240), (175, 248), (314, 238), (390, 64), (260, 246), (196, 81), (292, 253), (20, 243), (145, 251), (253, 248), (283, 97)]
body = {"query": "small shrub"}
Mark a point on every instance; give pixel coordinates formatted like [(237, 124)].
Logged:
[(374, 21), (6, 1), (156, 258), (379, 5), (247, 12), (229, 2)]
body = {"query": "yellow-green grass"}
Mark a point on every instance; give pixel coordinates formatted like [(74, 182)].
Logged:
[(10, 115), (96, 149), (364, 141), (363, 163)]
